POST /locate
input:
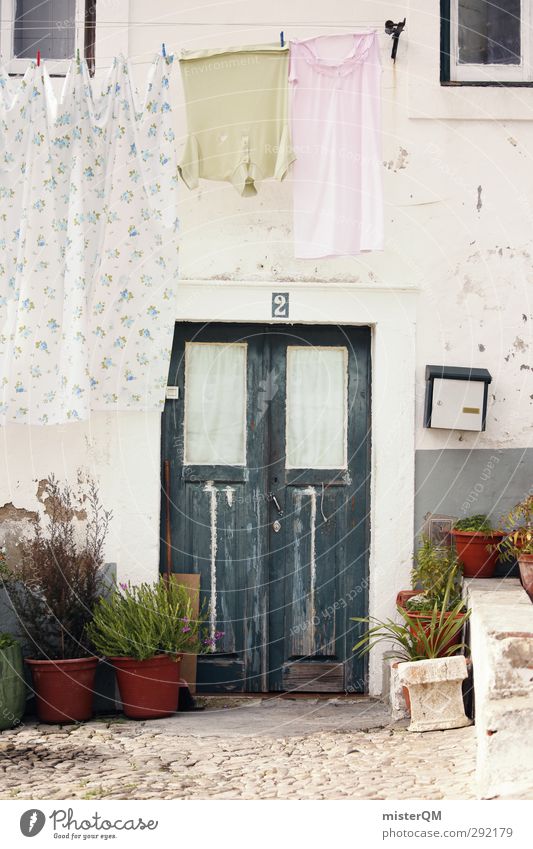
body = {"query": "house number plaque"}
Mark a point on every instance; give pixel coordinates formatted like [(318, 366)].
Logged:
[(280, 304)]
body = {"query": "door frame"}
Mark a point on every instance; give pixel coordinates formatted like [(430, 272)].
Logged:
[(391, 314)]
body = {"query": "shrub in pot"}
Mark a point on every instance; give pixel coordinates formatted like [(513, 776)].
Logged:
[(12, 686), (143, 631), (429, 667), (517, 540), (53, 587), (475, 543)]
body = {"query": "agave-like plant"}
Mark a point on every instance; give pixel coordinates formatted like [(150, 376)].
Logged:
[(417, 638)]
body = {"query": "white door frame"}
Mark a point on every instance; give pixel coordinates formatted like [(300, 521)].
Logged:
[(391, 313)]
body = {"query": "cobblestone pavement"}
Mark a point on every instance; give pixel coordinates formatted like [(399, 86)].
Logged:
[(268, 750)]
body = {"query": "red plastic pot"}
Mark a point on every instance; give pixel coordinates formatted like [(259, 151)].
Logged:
[(475, 552), (148, 688), (525, 564), (403, 597), (64, 688), (423, 616)]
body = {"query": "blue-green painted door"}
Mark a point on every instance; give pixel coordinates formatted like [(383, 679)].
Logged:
[(268, 444)]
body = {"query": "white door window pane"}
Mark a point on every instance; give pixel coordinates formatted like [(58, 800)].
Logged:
[(489, 32), (45, 25), (317, 390), (215, 404)]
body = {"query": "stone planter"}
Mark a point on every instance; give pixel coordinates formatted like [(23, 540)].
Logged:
[(435, 690)]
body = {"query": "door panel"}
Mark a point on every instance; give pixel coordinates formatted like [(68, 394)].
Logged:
[(282, 552)]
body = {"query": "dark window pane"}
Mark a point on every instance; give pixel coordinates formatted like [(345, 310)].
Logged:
[(489, 32), (45, 25)]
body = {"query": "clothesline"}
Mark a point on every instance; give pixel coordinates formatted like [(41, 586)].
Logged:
[(253, 24)]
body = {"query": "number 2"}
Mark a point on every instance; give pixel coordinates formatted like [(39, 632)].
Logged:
[(280, 305)]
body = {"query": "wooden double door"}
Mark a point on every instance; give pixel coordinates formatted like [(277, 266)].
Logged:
[(268, 443)]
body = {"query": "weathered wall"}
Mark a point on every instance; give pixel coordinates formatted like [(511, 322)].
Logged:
[(458, 227)]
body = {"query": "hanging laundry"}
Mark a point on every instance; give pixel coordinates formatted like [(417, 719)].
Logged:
[(89, 266), (335, 120), (236, 103)]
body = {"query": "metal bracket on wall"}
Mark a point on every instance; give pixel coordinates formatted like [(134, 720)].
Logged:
[(395, 30)]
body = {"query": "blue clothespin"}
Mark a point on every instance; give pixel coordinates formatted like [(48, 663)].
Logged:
[(282, 38), (163, 51)]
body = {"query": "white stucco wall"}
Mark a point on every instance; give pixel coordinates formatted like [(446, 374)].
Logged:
[(458, 185)]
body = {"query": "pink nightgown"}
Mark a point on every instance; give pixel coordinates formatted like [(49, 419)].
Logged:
[(335, 114)]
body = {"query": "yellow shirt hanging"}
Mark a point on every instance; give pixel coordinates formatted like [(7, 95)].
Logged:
[(236, 102)]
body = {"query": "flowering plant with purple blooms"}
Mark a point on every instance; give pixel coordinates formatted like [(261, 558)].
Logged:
[(143, 620)]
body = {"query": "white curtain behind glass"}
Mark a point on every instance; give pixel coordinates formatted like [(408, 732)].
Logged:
[(316, 407), (215, 404)]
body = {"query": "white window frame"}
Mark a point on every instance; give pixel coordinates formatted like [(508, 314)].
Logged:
[(460, 72), (15, 65)]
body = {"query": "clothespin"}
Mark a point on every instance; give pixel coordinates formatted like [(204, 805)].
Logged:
[(38, 58), (395, 30), (163, 51), (282, 38)]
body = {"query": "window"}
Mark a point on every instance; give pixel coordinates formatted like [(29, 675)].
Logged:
[(215, 403), (57, 28), (316, 414), (485, 42)]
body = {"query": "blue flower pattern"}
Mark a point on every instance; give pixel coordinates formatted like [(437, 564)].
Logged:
[(89, 260)]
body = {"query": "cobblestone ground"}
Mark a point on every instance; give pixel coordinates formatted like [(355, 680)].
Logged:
[(216, 755)]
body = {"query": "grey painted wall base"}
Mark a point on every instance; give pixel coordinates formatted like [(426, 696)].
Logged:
[(461, 483)]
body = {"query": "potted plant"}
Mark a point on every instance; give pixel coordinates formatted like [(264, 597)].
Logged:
[(432, 675), (436, 575), (53, 587), (432, 564), (143, 631), (517, 540), (475, 543), (12, 686)]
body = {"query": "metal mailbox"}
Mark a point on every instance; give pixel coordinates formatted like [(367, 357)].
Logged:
[(456, 398)]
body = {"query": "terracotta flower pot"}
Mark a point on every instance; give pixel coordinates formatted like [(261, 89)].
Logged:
[(64, 688), (148, 688), (478, 560), (525, 564)]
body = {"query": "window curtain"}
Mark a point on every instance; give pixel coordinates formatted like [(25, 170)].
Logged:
[(215, 403), (316, 407), (88, 244)]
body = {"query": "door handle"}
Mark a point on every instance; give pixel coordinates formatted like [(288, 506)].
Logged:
[(272, 497)]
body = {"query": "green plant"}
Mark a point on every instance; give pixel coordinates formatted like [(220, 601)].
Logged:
[(6, 641), (478, 524), (435, 568), (55, 581), (416, 639), (147, 619), (518, 529)]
